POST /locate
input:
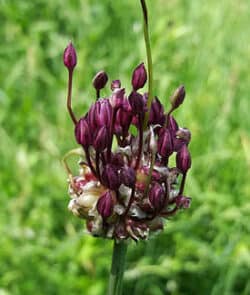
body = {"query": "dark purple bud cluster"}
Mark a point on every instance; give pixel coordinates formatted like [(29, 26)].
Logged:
[(125, 187)]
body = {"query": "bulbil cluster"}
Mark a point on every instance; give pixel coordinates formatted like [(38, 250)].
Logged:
[(126, 187)]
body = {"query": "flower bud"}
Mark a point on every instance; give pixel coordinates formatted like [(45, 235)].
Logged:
[(111, 177), (100, 80), (165, 144), (178, 97), (100, 114), (117, 98), (183, 137), (139, 77), (105, 205), (183, 159), (157, 196), (172, 125), (128, 176), (184, 134), (101, 140), (182, 202), (136, 102), (123, 119), (82, 133), (117, 159), (156, 115), (69, 57), (115, 84)]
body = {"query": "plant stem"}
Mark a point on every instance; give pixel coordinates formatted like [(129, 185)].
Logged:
[(97, 94), (72, 115), (117, 268), (140, 142), (149, 59), (183, 183)]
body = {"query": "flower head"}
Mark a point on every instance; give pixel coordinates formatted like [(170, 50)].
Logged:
[(126, 187)]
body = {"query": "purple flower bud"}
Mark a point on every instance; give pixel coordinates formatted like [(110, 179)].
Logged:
[(115, 84), (117, 98), (69, 57), (156, 115), (100, 80), (184, 134), (123, 119), (111, 177), (100, 114), (183, 159), (165, 144), (137, 102), (139, 77), (105, 205), (82, 133), (182, 202), (172, 125), (117, 159), (178, 97), (102, 139), (157, 196), (183, 137), (128, 176)]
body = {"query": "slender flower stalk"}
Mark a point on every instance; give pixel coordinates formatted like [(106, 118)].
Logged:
[(125, 187), (72, 115), (149, 59)]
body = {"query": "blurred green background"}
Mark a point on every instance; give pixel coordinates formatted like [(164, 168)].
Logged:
[(203, 44)]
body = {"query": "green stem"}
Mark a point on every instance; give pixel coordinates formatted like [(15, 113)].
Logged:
[(117, 268), (72, 115), (149, 59)]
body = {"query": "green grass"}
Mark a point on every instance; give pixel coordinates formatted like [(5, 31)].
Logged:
[(203, 44)]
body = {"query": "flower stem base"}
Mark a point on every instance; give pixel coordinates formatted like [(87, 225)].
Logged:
[(117, 268)]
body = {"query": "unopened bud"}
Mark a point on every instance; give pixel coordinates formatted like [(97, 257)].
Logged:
[(136, 102), (105, 205), (117, 98), (183, 202), (101, 140), (82, 133), (100, 80), (111, 177), (115, 84), (184, 134), (183, 159), (157, 196), (165, 144), (139, 77), (69, 57), (99, 114), (128, 176), (156, 114), (172, 125), (178, 97)]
